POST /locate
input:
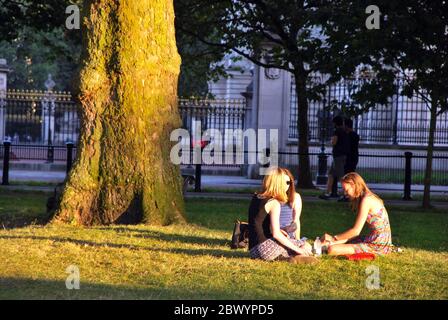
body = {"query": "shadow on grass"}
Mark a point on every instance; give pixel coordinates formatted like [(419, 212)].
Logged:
[(192, 252), (411, 227), (149, 234), (13, 222), (26, 288)]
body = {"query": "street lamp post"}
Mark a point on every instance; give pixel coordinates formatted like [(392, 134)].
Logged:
[(49, 107), (2, 115), (321, 178)]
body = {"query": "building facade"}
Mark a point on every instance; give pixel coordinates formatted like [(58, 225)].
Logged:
[(401, 125)]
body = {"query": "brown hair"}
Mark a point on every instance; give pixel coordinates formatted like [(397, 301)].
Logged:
[(361, 189), (274, 186)]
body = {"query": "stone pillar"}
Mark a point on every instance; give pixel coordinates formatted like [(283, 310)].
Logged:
[(269, 109), (248, 123), (48, 108), (4, 70)]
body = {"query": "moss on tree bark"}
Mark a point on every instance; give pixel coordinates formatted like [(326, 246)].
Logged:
[(128, 94)]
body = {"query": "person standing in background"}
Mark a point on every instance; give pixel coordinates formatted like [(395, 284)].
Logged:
[(353, 151), (339, 141), (353, 142)]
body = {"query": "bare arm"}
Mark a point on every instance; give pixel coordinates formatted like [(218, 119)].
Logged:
[(296, 213), (274, 213), (354, 231), (334, 140)]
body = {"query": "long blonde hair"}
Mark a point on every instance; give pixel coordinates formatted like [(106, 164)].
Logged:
[(360, 189), (274, 186)]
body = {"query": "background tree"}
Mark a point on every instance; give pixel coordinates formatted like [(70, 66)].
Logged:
[(35, 42), (43, 14), (412, 43), (281, 34), (33, 54), (199, 64), (128, 94)]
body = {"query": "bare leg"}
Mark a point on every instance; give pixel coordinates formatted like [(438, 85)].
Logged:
[(341, 249), (304, 259), (307, 246), (330, 183)]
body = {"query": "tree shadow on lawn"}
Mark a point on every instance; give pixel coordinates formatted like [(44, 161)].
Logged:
[(17, 222), (410, 229), (40, 289), (150, 234), (406, 241), (193, 252)]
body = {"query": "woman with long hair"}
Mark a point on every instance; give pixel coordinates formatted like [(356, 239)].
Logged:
[(371, 211), (270, 236)]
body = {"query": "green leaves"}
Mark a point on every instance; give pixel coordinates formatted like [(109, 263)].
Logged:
[(34, 54), (411, 38)]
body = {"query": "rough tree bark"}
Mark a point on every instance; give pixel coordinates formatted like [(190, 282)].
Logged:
[(426, 203), (304, 179), (128, 94)]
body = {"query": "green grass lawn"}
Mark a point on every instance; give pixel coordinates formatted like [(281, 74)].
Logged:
[(374, 175), (316, 192), (194, 261)]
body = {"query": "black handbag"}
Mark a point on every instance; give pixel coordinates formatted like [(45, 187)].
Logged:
[(240, 236)]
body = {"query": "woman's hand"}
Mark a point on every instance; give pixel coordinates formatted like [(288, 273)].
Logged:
[(304, 251), (284, 233), (327, 237)]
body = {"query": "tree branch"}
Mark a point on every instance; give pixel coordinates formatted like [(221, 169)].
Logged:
[(240, 52)]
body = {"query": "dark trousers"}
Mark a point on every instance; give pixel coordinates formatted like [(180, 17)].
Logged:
[(350, 165)]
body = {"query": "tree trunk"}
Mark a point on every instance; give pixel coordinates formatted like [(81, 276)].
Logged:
[(128, 94), (429, 155), (304, 179)]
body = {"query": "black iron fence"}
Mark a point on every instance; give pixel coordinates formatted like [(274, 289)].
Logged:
[(39, 117), (380, 168), (9, 152), (32, 117), (405, 168), (402, 121), (375, 167), (51, 118), (38, 125), (49, 154), (199, 115)]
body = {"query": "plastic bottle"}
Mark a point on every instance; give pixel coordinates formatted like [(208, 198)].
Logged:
[(317, 247)]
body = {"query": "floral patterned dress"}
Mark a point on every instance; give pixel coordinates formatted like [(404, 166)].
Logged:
[(379, 241)]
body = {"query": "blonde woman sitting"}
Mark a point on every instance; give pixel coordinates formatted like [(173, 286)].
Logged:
[(267, 241)]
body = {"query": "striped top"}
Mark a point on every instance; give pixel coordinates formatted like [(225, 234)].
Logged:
[(286, 218)]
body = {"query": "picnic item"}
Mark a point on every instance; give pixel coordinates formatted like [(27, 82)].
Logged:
[(360, 256), (317, 247), (240, 235)]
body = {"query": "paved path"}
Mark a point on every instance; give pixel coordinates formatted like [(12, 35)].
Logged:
[(240, 196), (214, 181), (242, 182), (244, 196), (37, 176)]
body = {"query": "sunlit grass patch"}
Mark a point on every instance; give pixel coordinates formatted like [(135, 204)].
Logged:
[(194, 261)]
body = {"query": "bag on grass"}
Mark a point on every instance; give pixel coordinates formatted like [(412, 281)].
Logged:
[(240, 236)]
